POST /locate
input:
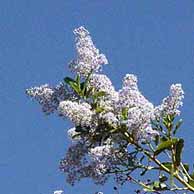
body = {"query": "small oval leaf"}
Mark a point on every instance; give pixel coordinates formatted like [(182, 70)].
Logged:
[(165, 145)]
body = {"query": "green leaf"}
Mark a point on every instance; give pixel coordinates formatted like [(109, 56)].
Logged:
[(76, 135), (99, 94), (85, 84), (78, 129), (78, 81), (99, 109), (167, 122), (68, 80), (169, 118), (81, 129), (113, 130), (177, 126), (89, 91), (192, 175), (82, 85), (165, 145), (191, 182), (163, 138), (75, 87), (73, 84), (124, 113), (186, 166), (157, 139), (156, 185), (179, 147), (167, 165)]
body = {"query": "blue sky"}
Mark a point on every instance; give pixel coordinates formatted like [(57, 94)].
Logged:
[(152, 39)]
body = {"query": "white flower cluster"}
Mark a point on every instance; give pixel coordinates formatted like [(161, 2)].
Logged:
[(101, 155), (50, 97), (77, 165), (100, 151), (100, 114), (111, 119), (44, 95), (101, 83), (88, 56), (130, 96), (139, 123), (130, 81), (170, 105), (79, 113), (140, 110)]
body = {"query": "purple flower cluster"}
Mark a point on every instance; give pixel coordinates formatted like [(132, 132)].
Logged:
[(49, 97), (171, 104), (79, 113), (88, 56), (104, 112)]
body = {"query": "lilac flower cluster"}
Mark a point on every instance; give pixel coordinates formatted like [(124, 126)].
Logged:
[(101, 83), (140, 110), (88, 56), (77, 165), (79, 114), (130, 96), (49, 97), (170, 105), (103, 111), (111, 119), (101, 156)]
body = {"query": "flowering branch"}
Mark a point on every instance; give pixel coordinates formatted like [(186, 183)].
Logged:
[(116, 133)]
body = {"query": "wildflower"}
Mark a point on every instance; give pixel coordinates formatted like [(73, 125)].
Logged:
[(130, 96), (100, 151), (110, 118), (88, 56), (140, 110), (139, 123), (101, 83), (170, 105), (77, 165), (79, 114), (49, 97), (130, 81), (44, 95)]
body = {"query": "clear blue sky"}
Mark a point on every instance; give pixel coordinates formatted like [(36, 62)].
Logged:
[(152, 39)]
